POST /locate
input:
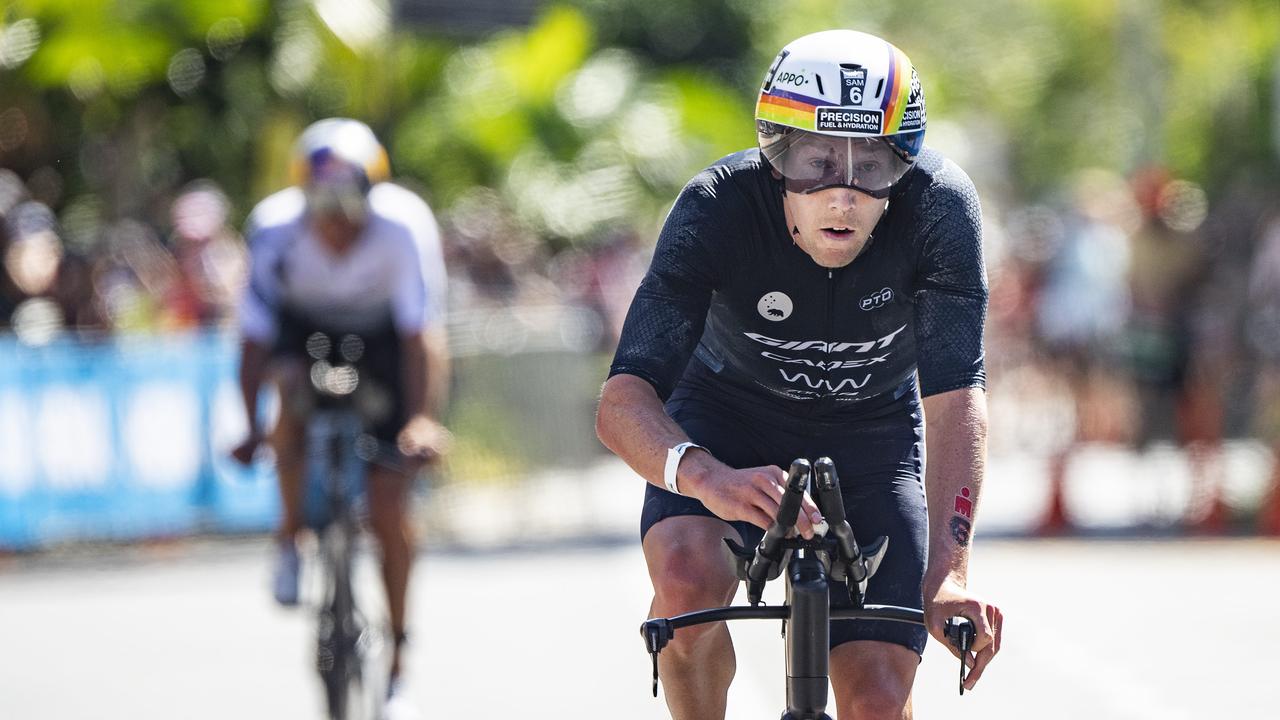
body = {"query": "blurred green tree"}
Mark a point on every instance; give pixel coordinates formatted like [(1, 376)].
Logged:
[(591, 117)]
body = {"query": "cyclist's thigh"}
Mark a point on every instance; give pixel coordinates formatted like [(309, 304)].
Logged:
[(288, 436), (881, 474), (387, 490)]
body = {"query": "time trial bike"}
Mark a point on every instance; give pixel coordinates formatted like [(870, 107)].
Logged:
[(339, 450), (832, 554)]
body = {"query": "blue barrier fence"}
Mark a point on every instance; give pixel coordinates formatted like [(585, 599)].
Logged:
[(124, 439)]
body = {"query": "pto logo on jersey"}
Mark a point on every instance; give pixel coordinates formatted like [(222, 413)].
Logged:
[(877, 299), (775, 306)]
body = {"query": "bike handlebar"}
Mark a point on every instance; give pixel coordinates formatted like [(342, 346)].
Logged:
[(769, 553), (831, 503), (766, 564)]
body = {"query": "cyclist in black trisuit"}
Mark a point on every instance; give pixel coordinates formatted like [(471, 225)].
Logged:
[(822, 294)]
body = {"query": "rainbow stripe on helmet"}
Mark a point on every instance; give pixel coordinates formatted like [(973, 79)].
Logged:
[(894, 103), (788, 108)]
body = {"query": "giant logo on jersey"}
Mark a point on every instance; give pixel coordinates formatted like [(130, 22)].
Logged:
[(813, 377)]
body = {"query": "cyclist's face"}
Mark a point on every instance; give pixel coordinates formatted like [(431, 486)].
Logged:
[(832, 225), (336, 230)]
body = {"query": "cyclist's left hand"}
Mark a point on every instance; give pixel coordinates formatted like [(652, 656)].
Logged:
[(423, 439), (951, 599)]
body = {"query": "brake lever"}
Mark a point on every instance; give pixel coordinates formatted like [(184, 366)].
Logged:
[(657, 633), (960, 633)]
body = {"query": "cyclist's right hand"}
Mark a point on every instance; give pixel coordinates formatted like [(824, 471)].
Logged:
[(244, 452), (752, 494)]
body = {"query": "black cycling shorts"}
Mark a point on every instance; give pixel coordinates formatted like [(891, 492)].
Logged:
[(379, 395), (879, 462)]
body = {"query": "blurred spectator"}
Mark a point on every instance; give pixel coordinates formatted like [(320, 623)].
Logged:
[(1263, 338), (133, 276), (603, 279), (119, 278), (1081, 313), (486, 277), (1027, 399), (32, 257), (211, 258), (1171, 339), (74, 294)]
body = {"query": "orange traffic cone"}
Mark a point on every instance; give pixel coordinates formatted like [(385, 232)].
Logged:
[(1055, 520), (1269, 516), (1207, 511)]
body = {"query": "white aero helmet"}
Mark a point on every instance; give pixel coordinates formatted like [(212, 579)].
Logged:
[(841, 108), (337, 161)]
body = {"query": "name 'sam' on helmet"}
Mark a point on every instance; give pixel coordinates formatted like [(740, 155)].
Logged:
[(841, 108)]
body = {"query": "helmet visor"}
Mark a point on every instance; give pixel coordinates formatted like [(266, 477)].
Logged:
[(335, 187), (809, 162)]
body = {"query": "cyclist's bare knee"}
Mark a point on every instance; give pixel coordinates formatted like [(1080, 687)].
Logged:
[(873, 680), (876, 704), (688, 565)]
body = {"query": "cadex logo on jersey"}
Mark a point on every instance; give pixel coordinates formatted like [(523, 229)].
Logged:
[(827, 364)]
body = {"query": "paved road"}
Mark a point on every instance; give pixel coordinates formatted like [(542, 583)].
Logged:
[(187, 631)]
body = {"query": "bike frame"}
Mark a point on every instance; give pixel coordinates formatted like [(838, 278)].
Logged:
[(343, 641)]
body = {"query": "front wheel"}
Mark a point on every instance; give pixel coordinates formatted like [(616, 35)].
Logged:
[(343, 638)]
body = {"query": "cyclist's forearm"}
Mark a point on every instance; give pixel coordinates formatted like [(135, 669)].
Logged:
[(633, 424), (253, 368), (426, 367), (438, 364), (956, 438)]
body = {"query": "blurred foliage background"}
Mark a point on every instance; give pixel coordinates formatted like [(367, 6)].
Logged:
[(1127, 153), (588, 115)]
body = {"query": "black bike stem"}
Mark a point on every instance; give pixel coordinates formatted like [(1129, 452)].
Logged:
[(808, 638)]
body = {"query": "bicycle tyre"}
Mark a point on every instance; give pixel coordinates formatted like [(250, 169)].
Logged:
[(340, 656)]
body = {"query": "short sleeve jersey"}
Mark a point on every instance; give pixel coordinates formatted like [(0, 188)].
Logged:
[(394, 272), (766, 324)]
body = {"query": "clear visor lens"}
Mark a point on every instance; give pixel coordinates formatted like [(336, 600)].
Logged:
[(810, 162)]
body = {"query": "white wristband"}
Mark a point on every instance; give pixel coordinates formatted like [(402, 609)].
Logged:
[(673, 463)]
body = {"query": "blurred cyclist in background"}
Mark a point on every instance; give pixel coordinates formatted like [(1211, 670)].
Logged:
[(346, 251)]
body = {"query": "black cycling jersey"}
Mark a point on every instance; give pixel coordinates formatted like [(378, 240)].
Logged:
[(768, 325)]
